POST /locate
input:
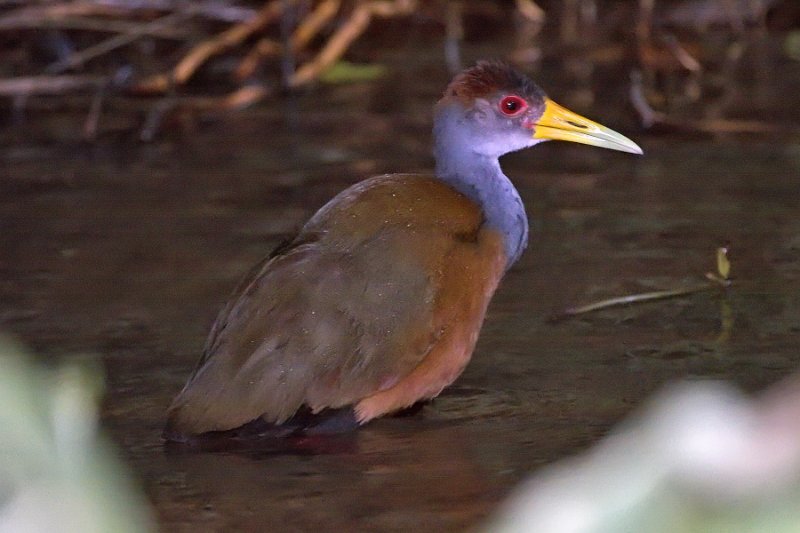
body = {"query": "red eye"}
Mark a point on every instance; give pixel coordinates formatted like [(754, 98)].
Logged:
[(513, 105)]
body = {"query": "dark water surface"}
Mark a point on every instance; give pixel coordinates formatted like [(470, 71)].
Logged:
[(129, 250)]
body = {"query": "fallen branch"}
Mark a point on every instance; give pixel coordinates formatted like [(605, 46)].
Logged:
[(225, 41), (314, 22), (34, 16), (349, 31), (103, 47), (209, 9), (102, 25), (308, 29), (30, 16), (324, 31), (263, 48)]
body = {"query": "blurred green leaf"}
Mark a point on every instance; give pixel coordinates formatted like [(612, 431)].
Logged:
[(791, 45), (723, 263), (346, 72)]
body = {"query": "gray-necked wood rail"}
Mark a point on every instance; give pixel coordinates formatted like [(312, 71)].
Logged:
[(377, 303)]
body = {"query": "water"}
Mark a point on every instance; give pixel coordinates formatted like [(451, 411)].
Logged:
[(128, 251)]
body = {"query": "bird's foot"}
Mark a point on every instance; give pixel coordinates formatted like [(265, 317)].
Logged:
[(326, 422), (412, 410)]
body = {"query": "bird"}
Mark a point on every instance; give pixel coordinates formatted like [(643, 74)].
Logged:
[(376, 304)]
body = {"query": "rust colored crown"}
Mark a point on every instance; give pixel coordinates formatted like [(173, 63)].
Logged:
[(487, 78)]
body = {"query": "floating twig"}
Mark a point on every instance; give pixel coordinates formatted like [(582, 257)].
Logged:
[(630, 299), (718, 280)]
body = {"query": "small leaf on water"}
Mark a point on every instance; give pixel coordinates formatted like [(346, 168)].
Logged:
[(723, 264)]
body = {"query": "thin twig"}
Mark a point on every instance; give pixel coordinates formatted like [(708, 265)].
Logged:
[(644, 20), (265, 47), (717, 280), (209, 9), (349, 31), (224, 41), (648, 116), (30, 15), (634, 298), (314, 22), (115, 42), (103, 25), (454, 35), (38, 85), (155, 117), (311, 25), (92, 122), (680, 53), (531, 11), (334, 48)]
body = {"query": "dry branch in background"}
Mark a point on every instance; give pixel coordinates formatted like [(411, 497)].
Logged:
[(348, 32), (122, 53), (33, 85), (321, 32)]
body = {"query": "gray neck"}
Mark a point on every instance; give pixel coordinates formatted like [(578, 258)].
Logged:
[(479, 177)]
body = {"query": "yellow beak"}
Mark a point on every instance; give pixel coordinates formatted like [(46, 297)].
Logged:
[(560, 124)]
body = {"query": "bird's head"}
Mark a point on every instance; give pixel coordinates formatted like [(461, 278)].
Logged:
[(498, 110)]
